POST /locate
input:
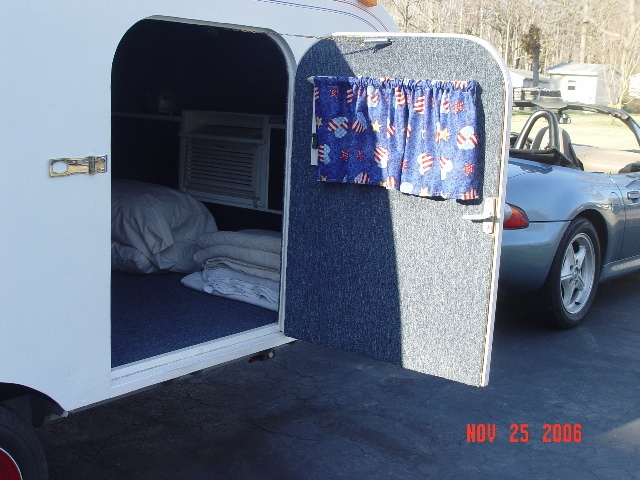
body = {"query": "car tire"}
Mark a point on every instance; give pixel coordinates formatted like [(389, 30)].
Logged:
[(22, 456), (572, 281)]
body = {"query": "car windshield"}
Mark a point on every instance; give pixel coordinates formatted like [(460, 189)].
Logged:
[(597, 130)]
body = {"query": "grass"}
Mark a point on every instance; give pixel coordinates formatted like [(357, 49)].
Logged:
[(593, 129)]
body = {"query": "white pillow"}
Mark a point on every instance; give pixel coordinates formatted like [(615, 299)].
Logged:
[(163, 224), (130, 260)]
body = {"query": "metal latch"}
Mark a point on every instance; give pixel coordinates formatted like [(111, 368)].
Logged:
[(61, 167), (487, 217)]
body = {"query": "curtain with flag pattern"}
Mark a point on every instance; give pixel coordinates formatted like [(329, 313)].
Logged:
[(416, 136)]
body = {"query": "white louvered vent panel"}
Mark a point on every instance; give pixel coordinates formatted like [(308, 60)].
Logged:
[(222, 169), (224, 157), (224, 172)]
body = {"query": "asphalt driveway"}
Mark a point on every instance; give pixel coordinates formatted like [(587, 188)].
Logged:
[(313, 413)]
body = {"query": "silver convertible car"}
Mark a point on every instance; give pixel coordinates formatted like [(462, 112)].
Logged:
[(573, 206)]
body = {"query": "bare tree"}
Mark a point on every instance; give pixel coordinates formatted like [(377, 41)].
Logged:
[(532, 45), (404, 12), (622, 43), (606, 31), (584, 28)]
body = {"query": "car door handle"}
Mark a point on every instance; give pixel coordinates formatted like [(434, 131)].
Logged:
[(633, 194)]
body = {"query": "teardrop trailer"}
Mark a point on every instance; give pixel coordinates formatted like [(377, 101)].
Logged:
[(144, 95)]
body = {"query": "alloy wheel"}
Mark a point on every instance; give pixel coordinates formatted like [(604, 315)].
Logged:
[(577, 274)]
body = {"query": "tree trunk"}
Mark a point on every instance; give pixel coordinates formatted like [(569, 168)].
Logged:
[(583, 31)]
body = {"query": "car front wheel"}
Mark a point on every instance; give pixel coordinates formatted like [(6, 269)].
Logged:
[(573, 278)]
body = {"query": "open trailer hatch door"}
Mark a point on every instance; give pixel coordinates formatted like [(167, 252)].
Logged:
[(389, 270)]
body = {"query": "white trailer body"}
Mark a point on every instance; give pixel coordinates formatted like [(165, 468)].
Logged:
[(60, 101)]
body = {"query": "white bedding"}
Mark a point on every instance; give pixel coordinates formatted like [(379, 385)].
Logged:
[(228, 283), (244, 267), (128, 259), (259, 258), (265, 240), (155, 228)]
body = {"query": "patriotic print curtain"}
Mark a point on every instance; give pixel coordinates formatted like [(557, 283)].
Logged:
[(416, 136)]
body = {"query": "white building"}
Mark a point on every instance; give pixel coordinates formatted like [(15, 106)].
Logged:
[(634, 85), (585, 82), (524, 78)]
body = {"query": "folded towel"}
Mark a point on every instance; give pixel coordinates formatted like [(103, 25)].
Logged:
[(223, 273), (218, 262), (251, 256), (231, 282), (265, 240), (236, 289)]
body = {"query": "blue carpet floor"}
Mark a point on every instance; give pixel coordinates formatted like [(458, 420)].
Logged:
[(155, 314)]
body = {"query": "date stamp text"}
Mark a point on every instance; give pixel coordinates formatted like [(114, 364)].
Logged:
[(523, 433)]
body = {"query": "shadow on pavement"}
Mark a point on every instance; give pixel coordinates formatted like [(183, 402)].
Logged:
[(314, 413)]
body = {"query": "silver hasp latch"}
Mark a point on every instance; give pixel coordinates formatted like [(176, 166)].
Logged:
[(61, 167), (487, 217)]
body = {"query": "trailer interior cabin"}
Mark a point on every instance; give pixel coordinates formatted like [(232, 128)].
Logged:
[(198, 151)]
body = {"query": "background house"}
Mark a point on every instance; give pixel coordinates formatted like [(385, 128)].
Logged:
[(585, 82), (634, 85), (524, 78)]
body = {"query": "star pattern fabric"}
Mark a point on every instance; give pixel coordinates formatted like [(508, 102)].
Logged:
[(416, 136)]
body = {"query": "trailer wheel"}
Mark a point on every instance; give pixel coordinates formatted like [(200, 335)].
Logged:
[(21, 454)]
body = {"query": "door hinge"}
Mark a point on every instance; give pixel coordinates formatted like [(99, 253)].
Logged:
[(61, 167), (488, 216)]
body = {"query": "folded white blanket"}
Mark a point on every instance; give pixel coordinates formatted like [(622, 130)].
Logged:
[(266, 240), (227, 283), (232, 282), (251, 256), (218, 262)]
